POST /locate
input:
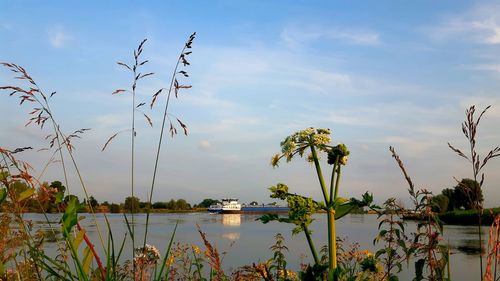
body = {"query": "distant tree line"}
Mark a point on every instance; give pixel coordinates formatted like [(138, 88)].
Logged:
[(52, 198), (463, 196)]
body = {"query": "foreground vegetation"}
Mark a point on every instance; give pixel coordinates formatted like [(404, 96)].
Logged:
[(22, 255)]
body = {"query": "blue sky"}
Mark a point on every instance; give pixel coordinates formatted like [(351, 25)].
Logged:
[(377, 73)]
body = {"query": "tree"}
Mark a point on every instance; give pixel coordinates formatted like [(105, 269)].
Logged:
[(440, 203), (207, 203), (182, 204), (171, 204), (58, 185), (466, 194), (132, 204), (159, 205), (469, 194), (114, 208), (93, 202)]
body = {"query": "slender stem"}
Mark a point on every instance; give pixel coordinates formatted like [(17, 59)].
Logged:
[(332, 180), (311, 244), (165, 112), (337, 182), (332, 239), (480, 243), (320, 174), (132, 208)]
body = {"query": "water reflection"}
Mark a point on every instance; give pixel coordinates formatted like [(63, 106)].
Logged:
[(231, 219), (231, 236), (469, 247)]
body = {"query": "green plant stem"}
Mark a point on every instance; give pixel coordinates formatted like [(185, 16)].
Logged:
[(132, 164), (332, 239), (480, 243), (311, 244), (320, 175), (332, 180), (337, 182)]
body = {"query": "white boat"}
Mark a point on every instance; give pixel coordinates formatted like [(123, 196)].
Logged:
[(227, 206)]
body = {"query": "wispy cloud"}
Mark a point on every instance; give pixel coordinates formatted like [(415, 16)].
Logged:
[(58, 37), (481, 25), (296, 36)]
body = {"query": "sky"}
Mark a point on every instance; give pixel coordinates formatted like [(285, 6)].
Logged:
[(377, 73)]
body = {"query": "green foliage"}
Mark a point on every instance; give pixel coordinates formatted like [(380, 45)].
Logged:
[(207, 202), (392, 233), (93, 202), (159, 205), (432, 257), (114, 208), (301, 207), (440, 203), (70, 216), (467, 194), (3, 195), (131, 204), (469, 217)]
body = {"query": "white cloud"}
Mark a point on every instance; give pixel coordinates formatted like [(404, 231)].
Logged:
[(481, 25), (296, 36), (58, 37)]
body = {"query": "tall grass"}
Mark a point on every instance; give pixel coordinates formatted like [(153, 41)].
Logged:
[(18, 187), (469, 129)]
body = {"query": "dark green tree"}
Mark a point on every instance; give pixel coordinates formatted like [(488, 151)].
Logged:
[(93, 202), (114, 208), (468, 194), (182, 204), (207, 202), (132, 204), (171, 204), (58, 185), (159, 205), (440, 203)]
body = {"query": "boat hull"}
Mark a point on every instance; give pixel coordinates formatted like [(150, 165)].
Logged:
[(245, 210)]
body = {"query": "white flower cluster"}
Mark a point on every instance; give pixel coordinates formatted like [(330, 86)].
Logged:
[(146, 255), (299, 141)]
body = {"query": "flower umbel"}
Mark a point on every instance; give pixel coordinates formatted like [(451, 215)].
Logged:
[(298, 142), (339, 151)]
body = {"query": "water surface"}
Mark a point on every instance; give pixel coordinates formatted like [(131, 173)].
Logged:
[(245, 240)]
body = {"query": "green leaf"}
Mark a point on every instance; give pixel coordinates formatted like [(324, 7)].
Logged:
[(345, 209), (393, 278), (3, 175), (78, 239), (26, 194), (3, 195), (380, 252), (87, 259), (70, 217), (419, 269), (268, 218), (340, 200), (59, 197), (2, 269)]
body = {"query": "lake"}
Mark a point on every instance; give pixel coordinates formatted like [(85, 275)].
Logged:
[(246, 240)]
